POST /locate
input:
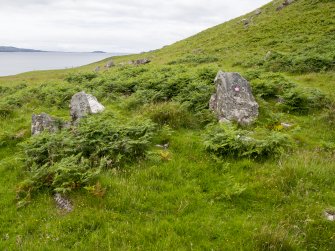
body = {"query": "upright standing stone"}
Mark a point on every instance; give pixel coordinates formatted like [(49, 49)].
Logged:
[(233, 100), (83, 104), (268, 55), (43, 121)]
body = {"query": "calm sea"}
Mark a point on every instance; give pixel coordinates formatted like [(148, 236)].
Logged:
[(17, 62)]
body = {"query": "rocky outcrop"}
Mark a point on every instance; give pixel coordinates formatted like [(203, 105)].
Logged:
[(109, 64), (83, 104), (258, 12), (249, 20), (141, 61), (284, 4), (42, 122), (245, 22), (136, 62), (233, 100)]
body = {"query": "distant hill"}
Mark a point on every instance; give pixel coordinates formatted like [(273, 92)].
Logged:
[(98, 52), (14, 49)]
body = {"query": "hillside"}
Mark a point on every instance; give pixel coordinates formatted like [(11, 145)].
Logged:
[(14, 49), (155, 170), (296, 41)]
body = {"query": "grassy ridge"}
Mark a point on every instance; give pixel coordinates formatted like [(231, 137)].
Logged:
[(287, 31), (186, 198)]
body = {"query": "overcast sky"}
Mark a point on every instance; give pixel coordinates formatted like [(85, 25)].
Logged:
[(111, 25)]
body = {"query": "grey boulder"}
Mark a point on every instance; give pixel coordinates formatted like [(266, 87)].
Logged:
[(245, 21), (42, 122), (63, 203), (258, 12), (284, 4), (141, 61), (109, 64), (233, 100), (83, 104)]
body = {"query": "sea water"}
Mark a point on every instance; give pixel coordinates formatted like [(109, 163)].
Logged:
[(12, 63)]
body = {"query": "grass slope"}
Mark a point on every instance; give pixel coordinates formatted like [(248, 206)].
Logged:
[(185, 198)]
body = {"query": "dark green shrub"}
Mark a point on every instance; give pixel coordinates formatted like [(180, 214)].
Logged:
[(8, 138), (226, 140), (16, 100), (299, 62), (5, 138), (4, 90), (253, 74), (20, 86), (207, 74), (95, 137), (196, 95), (270, 85), (194, 91), (117, 139), (49, 148), (131, 71), (19, 95), (158, 84), (54, 95), (6, 110), (205, 117), (312, 64), (292, 98), (163, 135), (80, 77), (195, 59), (301, 100), (71, 173), (142, 97), (277, 62), (126, 88), (70, 159), (68, 174), (170, 113)]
